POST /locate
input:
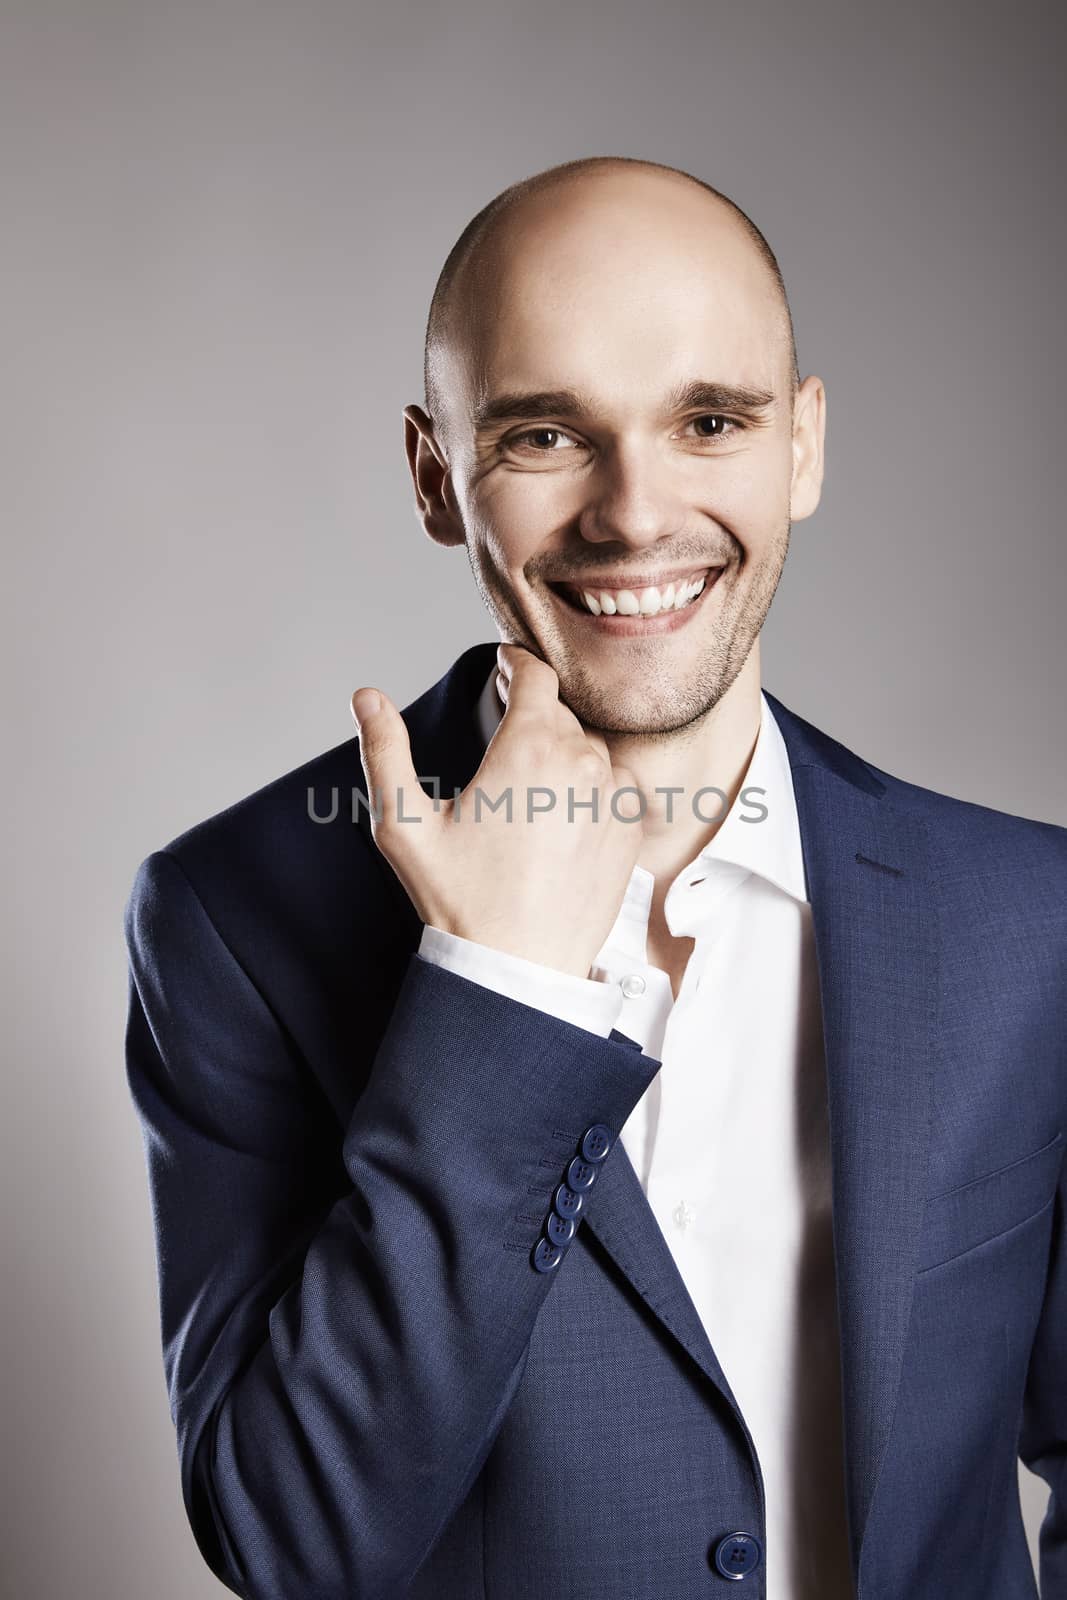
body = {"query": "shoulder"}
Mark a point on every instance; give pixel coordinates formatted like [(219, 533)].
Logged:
[(964, 825), (960, 830), (310, 825), (280, 815), (290, 859), (993, 866)]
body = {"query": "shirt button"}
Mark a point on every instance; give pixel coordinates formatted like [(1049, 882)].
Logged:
[(633, 986), (683, 1215)]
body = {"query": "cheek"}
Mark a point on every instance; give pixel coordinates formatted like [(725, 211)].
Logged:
[(513, 516), (526, 497), (751, 492)]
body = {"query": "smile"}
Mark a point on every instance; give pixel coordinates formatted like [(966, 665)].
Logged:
[(639, 607)]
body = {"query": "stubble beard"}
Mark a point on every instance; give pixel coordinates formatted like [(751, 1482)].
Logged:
[(657, 706)]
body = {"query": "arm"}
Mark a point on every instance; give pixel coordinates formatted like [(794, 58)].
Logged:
[(1043, 1436), (338, 1367)]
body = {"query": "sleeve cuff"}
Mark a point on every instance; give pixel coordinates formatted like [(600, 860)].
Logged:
[(589, 1003)]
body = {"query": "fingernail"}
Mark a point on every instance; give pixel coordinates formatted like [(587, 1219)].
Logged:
[(365, 702)]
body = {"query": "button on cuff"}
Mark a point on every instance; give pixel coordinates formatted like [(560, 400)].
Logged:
[(546, 1255), (596, 1142)]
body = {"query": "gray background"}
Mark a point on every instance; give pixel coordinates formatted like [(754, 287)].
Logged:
[(222, 226)]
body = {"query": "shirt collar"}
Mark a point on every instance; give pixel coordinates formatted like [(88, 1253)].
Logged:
[(769, 846)]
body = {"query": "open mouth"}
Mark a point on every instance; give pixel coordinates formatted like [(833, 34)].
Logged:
[(639, 608)]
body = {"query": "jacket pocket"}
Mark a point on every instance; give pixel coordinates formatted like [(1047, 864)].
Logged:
[(961, 1219)]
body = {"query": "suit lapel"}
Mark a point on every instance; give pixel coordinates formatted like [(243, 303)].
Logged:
[(874, 919), (869, 883)]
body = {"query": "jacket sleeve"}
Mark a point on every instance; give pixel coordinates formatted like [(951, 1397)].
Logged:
[(338, 1368), (1043, 1433)]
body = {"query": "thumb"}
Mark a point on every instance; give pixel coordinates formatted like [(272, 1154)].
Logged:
[(393, 789)]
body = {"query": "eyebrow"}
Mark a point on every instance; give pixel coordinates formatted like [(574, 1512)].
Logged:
[(521, 405)]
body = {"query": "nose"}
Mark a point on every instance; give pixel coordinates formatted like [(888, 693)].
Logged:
[(631, 500)]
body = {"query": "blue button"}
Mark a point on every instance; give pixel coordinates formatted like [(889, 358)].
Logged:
[(567, 1202), (547, 1256), (581, 1175), (737, 1555), (560, 1229), (596, 1142)]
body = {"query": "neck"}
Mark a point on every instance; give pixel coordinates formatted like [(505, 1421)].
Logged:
[(712, 755)]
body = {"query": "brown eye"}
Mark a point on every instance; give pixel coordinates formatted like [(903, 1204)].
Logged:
[(538, 436), (713, 426)]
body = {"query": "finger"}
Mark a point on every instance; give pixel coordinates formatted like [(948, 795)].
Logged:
[(575, 735), (597, 740), (533, 688), (630, 805), (568, 724), (385, 752)]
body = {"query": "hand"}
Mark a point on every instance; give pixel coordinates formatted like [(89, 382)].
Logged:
[(544, 885)]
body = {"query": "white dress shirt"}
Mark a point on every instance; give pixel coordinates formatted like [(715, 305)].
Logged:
[(730, 1140)]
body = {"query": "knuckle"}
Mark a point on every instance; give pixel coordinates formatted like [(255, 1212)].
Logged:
[(383, 818), (385, 800), (532, 726), (539, 745), (533, 666), (589, 760), (389, 836)]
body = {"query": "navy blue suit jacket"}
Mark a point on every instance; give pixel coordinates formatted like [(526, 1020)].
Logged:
[(352, 1152)]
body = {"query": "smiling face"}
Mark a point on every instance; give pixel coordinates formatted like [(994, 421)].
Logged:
[(619, 423)]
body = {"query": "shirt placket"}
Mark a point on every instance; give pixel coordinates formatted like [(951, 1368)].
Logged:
[(696, 906)]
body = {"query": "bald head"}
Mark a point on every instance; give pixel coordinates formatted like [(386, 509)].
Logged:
[(464, 293)]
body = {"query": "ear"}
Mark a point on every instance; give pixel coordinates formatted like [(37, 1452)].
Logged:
[(809, 440), (431, 476)]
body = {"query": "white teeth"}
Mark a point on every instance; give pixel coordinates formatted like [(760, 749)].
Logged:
[(650, 601)]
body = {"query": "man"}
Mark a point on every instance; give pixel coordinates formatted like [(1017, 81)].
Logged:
[(630, 1159)]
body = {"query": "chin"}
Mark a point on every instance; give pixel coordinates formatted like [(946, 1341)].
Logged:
[(622, 712)]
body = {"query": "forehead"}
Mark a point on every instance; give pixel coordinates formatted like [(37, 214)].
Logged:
[(621, 294)]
